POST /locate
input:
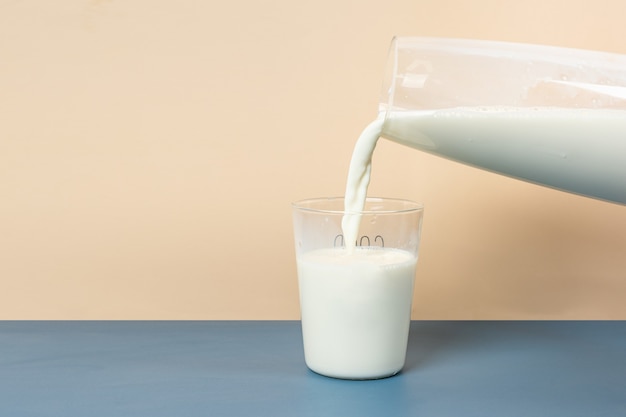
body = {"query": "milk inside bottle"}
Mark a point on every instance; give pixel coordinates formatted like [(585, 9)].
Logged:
[(547, 115)]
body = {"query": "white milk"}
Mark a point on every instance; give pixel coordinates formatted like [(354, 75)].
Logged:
[(358, 180), (356, 309), (582, 151)]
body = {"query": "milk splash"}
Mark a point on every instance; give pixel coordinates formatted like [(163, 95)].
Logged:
[(358, 181)]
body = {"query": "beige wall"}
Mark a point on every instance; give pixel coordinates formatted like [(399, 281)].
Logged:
[(149, 152)]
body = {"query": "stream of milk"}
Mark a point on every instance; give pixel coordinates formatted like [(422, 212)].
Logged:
[(582, 151), (358, 180)]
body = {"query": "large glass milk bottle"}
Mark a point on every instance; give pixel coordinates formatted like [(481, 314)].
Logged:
[(551, 116)]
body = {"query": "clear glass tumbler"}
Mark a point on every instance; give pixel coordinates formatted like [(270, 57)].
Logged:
[(355, 300)]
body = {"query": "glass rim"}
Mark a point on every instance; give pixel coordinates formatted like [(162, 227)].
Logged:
[(311, 205)]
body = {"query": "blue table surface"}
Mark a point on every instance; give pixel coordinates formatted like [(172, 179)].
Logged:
[(256, 368)]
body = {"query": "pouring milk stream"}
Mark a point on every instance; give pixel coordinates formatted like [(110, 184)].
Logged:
[(581, 151), (546, 115)]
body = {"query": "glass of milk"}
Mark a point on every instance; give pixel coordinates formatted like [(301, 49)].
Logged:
[(355, 297)]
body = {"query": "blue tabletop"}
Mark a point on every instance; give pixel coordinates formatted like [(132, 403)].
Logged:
[(233, 368)]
